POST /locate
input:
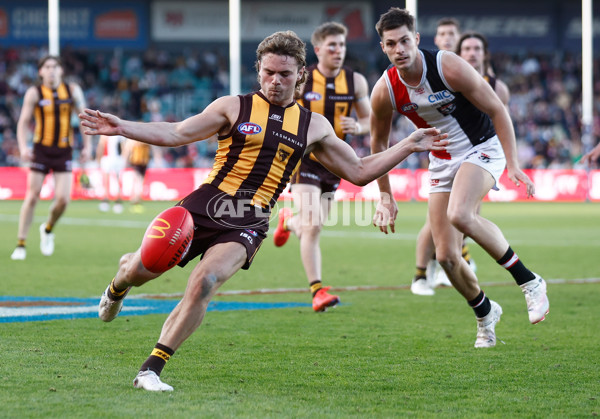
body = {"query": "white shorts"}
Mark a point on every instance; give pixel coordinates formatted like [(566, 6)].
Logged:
[(110, 164), (489, 156)]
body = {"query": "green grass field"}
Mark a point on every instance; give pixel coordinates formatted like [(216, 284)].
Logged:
[(381, 353)]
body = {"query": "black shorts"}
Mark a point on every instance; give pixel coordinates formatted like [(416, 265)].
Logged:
[(212, 227), (311, 172), (140, 168), (46, 159)]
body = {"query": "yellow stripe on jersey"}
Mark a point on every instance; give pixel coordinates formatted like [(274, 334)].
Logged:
[(220, 158), (319, 83), (280, 161), (341, 108), (290, 120), (252, 147), (46, 131)]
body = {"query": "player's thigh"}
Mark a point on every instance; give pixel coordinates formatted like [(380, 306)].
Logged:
[(62, 185), (307, 199), (220, 262), (471, 185), (35, 181)]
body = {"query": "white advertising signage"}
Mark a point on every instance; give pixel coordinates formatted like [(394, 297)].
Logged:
[(209, 21)]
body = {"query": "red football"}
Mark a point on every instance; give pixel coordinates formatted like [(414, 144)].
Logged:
[(167, 239)]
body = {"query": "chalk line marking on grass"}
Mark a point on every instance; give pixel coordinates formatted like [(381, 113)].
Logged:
[(31, 309), (356, 288)]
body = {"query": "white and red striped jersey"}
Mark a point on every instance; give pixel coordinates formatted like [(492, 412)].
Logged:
[(434, 104)]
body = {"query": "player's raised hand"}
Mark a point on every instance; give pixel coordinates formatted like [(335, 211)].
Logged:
[(426, 139), (517, 176), (95, 122), (385, 214)]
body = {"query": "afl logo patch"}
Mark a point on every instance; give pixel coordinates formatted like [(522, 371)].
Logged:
[(249, 128), (410, 107), (310, 96)]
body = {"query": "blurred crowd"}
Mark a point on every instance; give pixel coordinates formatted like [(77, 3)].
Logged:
[(157, 85)]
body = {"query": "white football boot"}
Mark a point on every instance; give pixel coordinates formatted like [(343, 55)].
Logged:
[(421, 287), (19, 253), (148, 380), (486, 327), (46, 241), (537, 300), (108, 308)]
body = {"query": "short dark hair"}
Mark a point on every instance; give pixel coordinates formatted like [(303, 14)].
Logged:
[(448, 21), (395, 18), (45, 58), (484, 41), (326, 29)]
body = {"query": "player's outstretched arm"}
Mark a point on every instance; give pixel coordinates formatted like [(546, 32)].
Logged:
[(340, 158), (215, 118)]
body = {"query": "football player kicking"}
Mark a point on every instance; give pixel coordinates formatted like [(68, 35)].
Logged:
[(262, 138)]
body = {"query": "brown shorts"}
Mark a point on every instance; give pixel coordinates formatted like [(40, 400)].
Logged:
[(46, 159), (312, 172), (140, 168), (211, 229)]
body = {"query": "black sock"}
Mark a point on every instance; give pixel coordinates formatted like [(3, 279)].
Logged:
[(315, 286), (157, 359), (511, 262), (115, 293), (481, 305), (420, 273)]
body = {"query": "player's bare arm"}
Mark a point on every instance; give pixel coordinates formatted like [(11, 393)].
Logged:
[(381, 123), (218, 117), (361, 106), (79, 102), (23, 130), (338, 157), (463, 78)]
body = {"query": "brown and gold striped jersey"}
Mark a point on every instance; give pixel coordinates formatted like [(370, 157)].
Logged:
[(140, 154), (257, 158), (53, 117), (332, 97)]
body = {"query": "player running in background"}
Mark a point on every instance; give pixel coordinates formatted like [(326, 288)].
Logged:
[(51, 104), (138, 155), (334, 91), (441, 89), (109, 154), (262, 139)]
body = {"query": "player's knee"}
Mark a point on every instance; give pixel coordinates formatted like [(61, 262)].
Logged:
[(312, 230), (461, 219), (204, 287)]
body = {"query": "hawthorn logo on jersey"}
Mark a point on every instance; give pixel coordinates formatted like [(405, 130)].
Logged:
[(283, 155), (485, 158), (45, 102), (409, 107), (276, 117), (249, 128), (310, 96)]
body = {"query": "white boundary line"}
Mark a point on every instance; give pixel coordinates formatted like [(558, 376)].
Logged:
[(355, 288)]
